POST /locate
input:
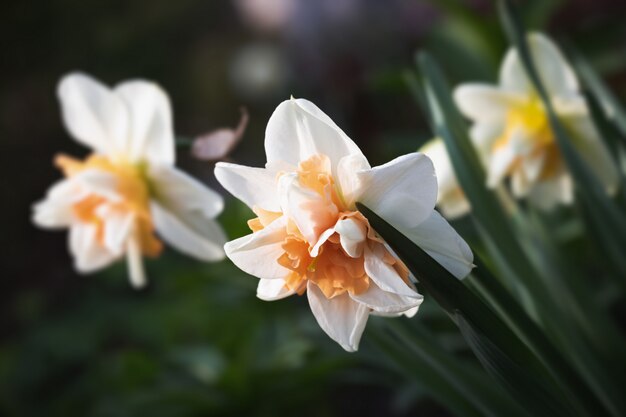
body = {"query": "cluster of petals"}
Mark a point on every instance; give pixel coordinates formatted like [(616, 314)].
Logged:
[(308, 236), (512, 133), (116, 200)]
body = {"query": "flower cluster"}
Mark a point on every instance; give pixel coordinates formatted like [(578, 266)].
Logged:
[(308, 236)]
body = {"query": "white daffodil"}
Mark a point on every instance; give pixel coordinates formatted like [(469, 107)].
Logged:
[(450, 198), (512, 131), (115, 200), (309, 236)]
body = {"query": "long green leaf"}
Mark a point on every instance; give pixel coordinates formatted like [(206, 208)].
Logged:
[(429, 377), (511, 375), (454, 297), (467, 380), (610, 103)]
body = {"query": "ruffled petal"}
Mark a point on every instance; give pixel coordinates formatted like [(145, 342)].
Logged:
[(311, 212), (342, 318), (443, 243), (151, 135), (273, 289), (298, 129), (257, 253), (387, 302), (89, 255), (384, 275), (93, 114), (403, 191), (253, 186), (117, 229), (352, 236)]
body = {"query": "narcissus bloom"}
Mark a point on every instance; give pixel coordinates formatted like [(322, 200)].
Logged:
[(512, 131), (115, 200), (450, 199), (308, 235)]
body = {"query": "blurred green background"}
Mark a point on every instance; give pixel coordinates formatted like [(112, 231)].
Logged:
[(197, 341)]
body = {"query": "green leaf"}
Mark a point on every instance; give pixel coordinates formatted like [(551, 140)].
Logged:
[(454, 297), (469, 381), (609, 102), (426, 373), (513, 376)]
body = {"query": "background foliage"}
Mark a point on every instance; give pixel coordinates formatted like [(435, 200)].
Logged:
[(197, 341)]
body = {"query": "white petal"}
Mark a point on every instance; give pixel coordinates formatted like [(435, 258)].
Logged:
[(93, 114), (349, 184), (520, 184), (548, 193), (555, 73), (352, 235), (500, 162), (272, 289), (150, 135), (298, 130), (436, 150), (484, 135), (55, 211), (454, 205), (134, 260), (484, 103), (340, 317), (387, 302), (403, 191), (191, 234), (117, 228), (88, 254), (253, 186), (383, 274), (443, 243), (180, 193), (257, 253), (533, 165)]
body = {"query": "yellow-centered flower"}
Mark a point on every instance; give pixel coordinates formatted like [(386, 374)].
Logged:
[(512, 132), (308, 235), (127, 191)]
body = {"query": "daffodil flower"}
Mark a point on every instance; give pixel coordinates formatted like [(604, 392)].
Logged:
[(450, 198), (511, 129), (308, 235), (115, 199)]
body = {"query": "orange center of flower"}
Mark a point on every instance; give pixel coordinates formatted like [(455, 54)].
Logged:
[(332, 269), (133, 191), (531, 116)]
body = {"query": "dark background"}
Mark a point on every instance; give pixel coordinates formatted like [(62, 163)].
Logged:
[(197, 341)]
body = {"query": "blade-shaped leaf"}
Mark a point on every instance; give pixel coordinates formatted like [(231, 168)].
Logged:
[(454, 297)]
